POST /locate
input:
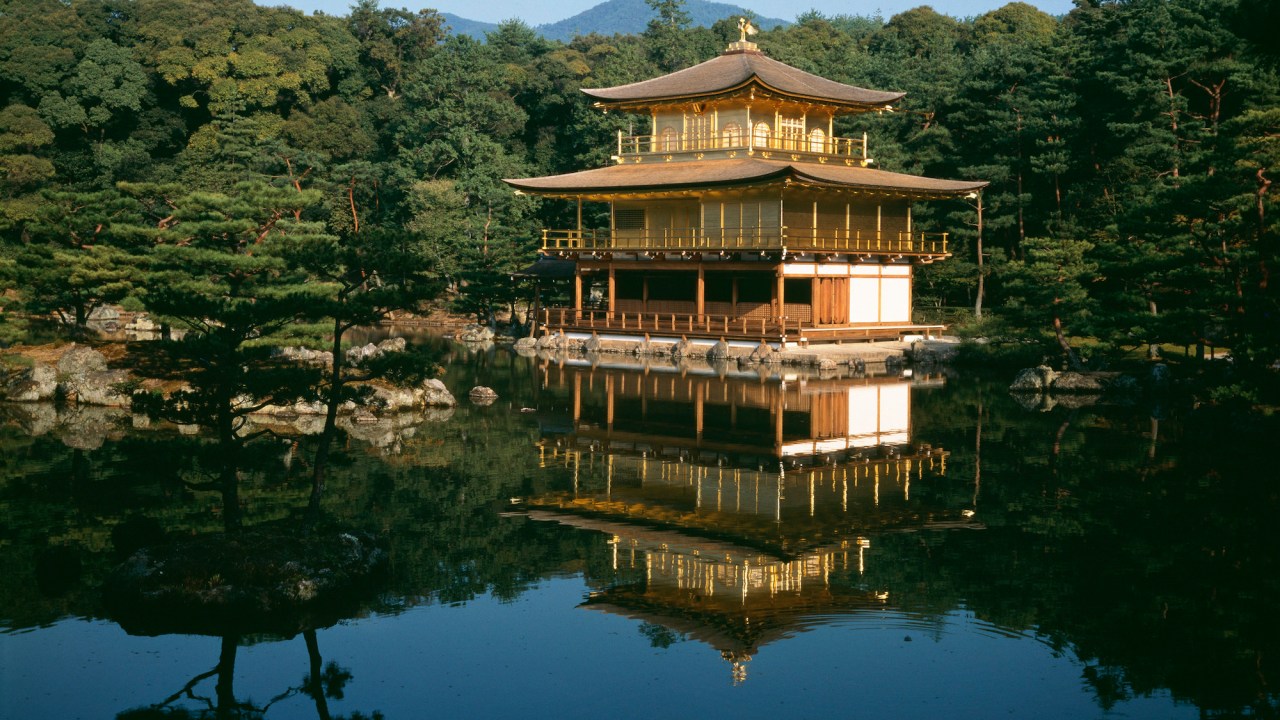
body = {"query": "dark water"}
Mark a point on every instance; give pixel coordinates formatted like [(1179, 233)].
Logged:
[(640, 542)]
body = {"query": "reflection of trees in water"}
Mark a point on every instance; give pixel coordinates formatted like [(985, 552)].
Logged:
[(1157, 569), (322, 683)]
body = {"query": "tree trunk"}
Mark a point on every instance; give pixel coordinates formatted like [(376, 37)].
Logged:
[(330, 427), (982, 270), (315, 688), (229, 445), (1072, 358), (225, 687)]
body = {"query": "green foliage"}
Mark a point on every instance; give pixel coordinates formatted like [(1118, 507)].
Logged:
[(1049, 290), (1146, 128)]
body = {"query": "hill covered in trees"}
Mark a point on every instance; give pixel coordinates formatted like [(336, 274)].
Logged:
[(633, 16), (1130, 147)]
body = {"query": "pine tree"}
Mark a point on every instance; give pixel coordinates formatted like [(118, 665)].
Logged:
[(228, 269), (72, 262)]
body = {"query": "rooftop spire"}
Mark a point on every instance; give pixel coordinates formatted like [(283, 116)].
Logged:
[(745, 28)]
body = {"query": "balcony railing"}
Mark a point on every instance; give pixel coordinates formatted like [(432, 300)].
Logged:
[(676, 323), (785, 329), (670, 143), (744, 239)]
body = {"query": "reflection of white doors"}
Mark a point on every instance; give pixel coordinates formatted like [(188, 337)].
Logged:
[(879, 414)]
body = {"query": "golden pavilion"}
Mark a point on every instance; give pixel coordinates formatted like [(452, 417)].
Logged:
[(741, 216)]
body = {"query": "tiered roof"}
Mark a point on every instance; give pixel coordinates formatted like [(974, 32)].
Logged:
[(739, 172), (739, 72)]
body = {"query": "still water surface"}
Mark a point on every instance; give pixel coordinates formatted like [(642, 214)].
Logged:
[(696, 542)]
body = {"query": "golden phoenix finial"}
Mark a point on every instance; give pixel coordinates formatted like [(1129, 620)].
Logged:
[(746, 28)]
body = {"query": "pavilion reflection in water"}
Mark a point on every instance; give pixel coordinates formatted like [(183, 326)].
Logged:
[(731, 499)]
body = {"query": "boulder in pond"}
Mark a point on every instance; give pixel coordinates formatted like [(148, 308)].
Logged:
[(1077, 383), (719, 351), (481, 395), (108, 388), (436, 394), (1033, 380), (474, 334), (37, 383)]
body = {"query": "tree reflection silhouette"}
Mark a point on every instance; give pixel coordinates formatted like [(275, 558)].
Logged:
[(322, 683)]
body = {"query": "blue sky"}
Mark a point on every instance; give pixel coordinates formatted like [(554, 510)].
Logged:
[(538, 13)]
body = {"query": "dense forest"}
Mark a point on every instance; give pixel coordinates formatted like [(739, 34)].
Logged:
[(254, 167)]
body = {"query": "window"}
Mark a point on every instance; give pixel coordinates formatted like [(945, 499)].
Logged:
[(817, 141), (700, 131), (760, 138), (670, 139), (628, 218), (731, 135), (790, 131)]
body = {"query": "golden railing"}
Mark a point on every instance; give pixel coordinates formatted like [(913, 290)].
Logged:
[(740, 239), (629, 145)]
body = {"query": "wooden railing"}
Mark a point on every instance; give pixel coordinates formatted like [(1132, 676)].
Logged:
[(632, 145), (672, 323), (738, 239), (786, 329)]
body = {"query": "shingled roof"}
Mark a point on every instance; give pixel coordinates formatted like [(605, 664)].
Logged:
[(660, 176), (737, 70)]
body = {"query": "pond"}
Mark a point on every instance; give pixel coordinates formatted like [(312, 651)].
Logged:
[(630, 539)]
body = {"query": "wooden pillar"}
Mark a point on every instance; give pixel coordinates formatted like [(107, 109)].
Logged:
[(700, 302), (698, 413), (733, 296), (778, 404), (577, 399), (816, 300), (577, 293), (780, 293), (644, 293), (608, 402), (613, 293)]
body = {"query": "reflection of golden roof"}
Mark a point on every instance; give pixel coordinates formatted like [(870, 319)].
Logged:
[(742, 71), (781, 513), (742, 631), (740, 172)]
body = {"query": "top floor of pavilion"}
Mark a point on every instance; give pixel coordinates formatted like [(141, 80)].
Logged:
[(742, 104)]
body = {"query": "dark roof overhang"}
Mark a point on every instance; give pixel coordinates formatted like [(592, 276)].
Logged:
[(676, 177)]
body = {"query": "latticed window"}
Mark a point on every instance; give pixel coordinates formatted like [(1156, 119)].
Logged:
[(817, 141), (628, 218), (760, 137), (790, 131), (700, 131), (731, 135), (670, 139)]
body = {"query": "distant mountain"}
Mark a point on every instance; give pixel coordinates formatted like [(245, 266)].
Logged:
[(616, 16), (632, 16), (463, 26)]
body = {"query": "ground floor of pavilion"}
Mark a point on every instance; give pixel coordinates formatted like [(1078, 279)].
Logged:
[(797, 301)]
